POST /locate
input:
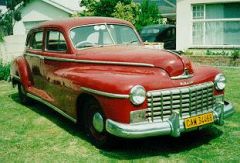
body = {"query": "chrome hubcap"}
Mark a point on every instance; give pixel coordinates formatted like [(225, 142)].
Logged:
[(98, 122)]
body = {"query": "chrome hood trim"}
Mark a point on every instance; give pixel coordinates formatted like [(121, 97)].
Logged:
[(106, 94), (89, 61)]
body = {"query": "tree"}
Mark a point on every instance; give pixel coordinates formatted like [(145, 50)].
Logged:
[(90, 6), (140, 15), (129, 12), (149, 14), (101, 7), (8, 20)]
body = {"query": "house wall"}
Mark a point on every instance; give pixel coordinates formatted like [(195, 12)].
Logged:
[(12, 47), (36, 12), (184, 21)]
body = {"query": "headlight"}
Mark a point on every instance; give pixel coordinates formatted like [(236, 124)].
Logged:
[(137, 95), (220, 82)]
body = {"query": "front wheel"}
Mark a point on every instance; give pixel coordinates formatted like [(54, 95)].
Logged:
[(94, 124)]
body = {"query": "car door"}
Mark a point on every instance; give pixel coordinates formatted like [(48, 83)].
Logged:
[(33, 56), (55, 56)]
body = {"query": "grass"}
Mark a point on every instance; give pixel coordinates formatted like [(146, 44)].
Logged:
[(36, 133)]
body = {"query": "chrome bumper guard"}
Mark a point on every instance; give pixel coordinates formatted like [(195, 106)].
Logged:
[(174, 126)]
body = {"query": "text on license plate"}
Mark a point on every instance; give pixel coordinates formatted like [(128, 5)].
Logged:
[(198, 120)]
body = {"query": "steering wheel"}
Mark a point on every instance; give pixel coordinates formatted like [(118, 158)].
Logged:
[(85, 43)]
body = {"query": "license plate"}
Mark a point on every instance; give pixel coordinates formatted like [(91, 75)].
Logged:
[(198, 120)]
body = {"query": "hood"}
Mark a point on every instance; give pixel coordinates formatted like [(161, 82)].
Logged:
[(172, 63)]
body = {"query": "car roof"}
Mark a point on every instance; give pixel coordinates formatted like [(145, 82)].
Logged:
[(80, 21)]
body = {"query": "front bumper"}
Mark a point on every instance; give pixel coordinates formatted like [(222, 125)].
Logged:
[(174, 126)]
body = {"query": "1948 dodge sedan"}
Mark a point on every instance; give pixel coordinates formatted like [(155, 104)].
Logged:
[(97, 72)]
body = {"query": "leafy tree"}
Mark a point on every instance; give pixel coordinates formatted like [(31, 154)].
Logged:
[(90, 6), (149, 14), (129, 12), (1, 36), (106, 7), (101, 7), (140, 15), (6, 25), (7, 21)]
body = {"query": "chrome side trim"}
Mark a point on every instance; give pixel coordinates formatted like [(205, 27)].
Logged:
[(106, 94), (89, 61), (34, 55), (51, 106)]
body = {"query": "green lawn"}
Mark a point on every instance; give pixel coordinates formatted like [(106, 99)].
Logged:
[(36, 133)]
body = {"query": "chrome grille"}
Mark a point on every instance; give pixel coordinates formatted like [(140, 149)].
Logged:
[(188, 101)]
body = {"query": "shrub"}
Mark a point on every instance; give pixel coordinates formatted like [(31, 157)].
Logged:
[(4, 71), (216, 52), (235, 54), (1, 36)]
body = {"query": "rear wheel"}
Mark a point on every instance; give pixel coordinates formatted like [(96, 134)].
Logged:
[(94, 124), (22, 94)]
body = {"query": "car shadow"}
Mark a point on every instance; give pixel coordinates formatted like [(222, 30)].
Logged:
[(128, 149), (53, 116), (164, 146)]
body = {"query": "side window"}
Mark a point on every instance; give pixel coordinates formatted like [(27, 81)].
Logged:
[(56, 41), (36, 41)]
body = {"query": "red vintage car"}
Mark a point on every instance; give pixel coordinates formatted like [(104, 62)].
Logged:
[(96, 72)]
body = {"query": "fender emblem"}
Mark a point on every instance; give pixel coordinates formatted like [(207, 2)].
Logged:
[(186, 83)]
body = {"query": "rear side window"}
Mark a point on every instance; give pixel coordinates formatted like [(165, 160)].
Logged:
[(36, 42), (56, 41)]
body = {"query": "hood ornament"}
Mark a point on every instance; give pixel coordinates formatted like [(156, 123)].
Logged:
[(186, 71), (185, 75)]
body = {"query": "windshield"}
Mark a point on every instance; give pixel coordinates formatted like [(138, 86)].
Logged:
[(102, 34)]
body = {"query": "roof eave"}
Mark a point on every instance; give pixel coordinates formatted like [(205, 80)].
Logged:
[(59, 6)]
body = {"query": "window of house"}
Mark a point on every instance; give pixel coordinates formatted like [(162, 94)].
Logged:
[(36, 41), (198, 11), (216, 24), (56, 41)]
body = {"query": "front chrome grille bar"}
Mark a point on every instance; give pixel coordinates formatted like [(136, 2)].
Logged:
[(188, 101)]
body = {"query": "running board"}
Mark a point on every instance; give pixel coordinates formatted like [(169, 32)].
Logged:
[(51, 106)]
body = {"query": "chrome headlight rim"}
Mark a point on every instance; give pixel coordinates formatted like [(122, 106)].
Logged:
[(220, 82), (137, 95)]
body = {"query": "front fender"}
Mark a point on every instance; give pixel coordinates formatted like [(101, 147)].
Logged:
[(20, 71), (113, 80)]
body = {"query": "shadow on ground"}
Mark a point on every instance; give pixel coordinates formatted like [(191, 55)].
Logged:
[(126, 149), (53, 116)]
